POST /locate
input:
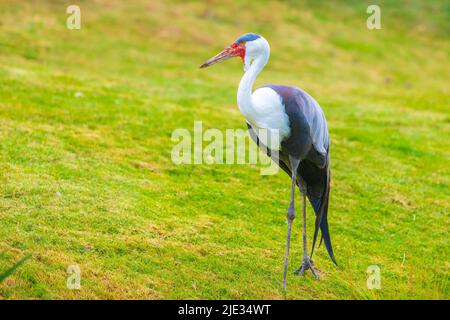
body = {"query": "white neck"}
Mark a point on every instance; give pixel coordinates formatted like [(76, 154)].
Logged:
[(244, 94)]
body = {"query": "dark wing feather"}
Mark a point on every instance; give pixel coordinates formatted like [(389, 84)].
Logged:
[(318, 191), (262, 146)]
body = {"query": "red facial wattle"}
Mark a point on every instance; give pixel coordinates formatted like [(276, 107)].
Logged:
[(239, 50)]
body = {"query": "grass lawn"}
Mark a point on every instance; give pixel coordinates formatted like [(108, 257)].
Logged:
[(86, 177)]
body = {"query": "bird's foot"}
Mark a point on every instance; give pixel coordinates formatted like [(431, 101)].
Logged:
[(306, 264)]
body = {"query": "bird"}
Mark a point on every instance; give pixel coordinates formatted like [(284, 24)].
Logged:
[(303, 148)]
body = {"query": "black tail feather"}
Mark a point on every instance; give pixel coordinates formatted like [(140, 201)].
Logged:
[(326, 237), (320, 206)]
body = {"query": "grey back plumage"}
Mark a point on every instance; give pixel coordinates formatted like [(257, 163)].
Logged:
[(303, 110)]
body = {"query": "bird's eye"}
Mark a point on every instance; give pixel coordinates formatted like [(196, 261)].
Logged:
[(243, 43)]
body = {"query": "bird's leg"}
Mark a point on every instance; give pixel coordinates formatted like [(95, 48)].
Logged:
[(306, 263), (290, 216)]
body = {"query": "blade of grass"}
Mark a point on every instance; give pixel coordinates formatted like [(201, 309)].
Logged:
[(8, 272)]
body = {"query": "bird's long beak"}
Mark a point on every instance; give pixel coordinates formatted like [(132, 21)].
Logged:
[(235, 50), (227, 53)]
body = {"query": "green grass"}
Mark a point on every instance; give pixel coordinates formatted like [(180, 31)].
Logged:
[(88, 180), (11, 270)]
